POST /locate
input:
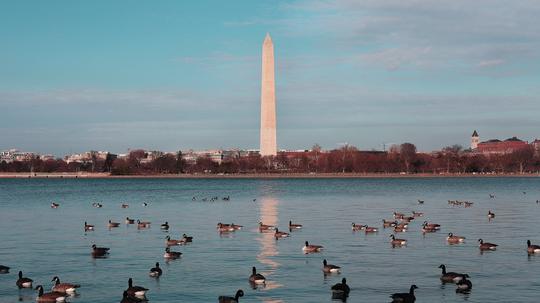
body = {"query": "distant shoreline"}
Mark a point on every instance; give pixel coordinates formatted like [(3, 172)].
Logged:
[(252, 176)]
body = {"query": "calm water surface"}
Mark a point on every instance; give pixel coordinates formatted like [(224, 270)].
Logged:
[(44, 242)]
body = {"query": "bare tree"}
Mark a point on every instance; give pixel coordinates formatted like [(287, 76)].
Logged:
[(522, 157), (407, 153), (180, 162), (451, 154), (316, 150)]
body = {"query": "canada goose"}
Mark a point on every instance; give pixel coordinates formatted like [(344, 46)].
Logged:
[(490, 215), (426, 229), (405, 297), (236, 226), (235, 299), (224, 228), (171, 242), (532, 249), (388, 223), (165, 226), (186, 239), (143, 224), (368, 229), (486, 245), (330, 268), (54, 205), (454, 239), (311, 248), (145, 204), (491, 196), (397, 242), (400, 229), (294, 226), (464, 285), (417, 214), (126, 298), (113, 224), (256, 277), (4, 269), (64, 288), (402, 225), (407, 219), (137, 291), (264, 227), (49, 297), (155, 271), (24, 282), (432, 225), (430, 228), (99, 251), (280, 234), (450, 277), (398, 215), (340, 290), (125, 205), (420, 201), (130, 221), (356, 227), (171, 255), (88, 227)]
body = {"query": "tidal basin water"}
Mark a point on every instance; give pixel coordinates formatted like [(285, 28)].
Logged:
[(45, 242)]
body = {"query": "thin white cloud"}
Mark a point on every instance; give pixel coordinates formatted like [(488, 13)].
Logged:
[(394, 58), (490, 63)]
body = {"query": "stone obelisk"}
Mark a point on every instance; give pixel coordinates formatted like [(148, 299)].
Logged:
[(268, 100)]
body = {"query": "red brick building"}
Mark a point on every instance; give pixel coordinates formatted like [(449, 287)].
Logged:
[(536, 145), (496, 146)]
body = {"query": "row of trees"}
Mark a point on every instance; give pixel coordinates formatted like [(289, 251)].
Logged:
[(347, 159), (402, 158)]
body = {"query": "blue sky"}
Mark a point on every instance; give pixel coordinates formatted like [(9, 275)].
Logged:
[(169, 75)]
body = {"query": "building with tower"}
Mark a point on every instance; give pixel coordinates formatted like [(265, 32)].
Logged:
[(475, 139)]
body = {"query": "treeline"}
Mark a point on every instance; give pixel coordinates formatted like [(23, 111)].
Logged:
[(402, 158)]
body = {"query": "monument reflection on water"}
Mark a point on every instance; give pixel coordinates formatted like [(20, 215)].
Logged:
[(268, 208)]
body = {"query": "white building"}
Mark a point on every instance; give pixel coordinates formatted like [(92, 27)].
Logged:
[(86, 156), (16, 155)]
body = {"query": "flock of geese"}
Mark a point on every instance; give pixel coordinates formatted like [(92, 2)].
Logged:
[(60, 291)]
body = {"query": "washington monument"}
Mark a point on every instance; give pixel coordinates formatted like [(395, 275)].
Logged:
[(268, 100)]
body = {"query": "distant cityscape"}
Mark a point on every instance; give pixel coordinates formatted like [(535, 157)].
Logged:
[(490, 156)]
